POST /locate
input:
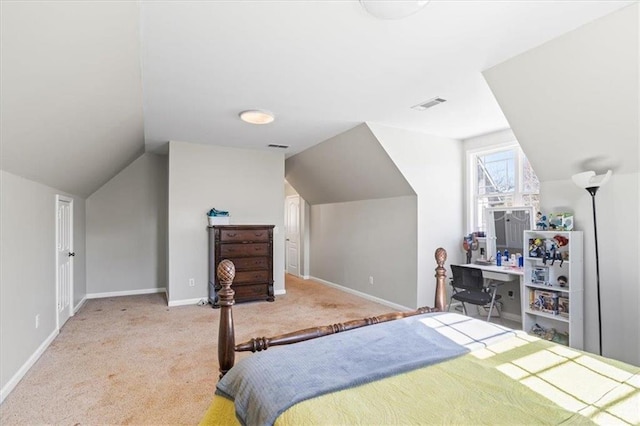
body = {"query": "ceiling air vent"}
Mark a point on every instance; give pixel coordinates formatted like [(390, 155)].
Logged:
[(428, 104), (273, 145)]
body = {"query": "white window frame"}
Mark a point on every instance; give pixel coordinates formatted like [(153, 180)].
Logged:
[(471, 182)]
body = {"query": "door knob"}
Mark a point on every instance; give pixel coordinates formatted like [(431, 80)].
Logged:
[(71, 254)]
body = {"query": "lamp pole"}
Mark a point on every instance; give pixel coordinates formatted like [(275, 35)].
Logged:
[(592, 190), (591, 182)]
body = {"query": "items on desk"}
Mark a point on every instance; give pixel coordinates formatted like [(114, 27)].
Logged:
[(499, 258), (469, 244)]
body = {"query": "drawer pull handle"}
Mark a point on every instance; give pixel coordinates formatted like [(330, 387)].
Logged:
[(231, 234)]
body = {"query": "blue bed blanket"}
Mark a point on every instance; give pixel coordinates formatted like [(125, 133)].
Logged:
[(266, 384)]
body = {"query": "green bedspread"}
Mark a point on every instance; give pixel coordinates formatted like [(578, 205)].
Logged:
[(519, 381)]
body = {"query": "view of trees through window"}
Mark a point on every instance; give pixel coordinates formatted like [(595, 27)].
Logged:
[(502, 178)]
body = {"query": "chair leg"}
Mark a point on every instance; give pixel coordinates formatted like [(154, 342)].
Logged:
[(493, 302)]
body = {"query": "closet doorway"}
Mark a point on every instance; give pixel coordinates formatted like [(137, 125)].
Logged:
[(292, 235)]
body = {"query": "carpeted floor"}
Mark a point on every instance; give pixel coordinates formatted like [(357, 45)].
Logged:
[(133, 360)]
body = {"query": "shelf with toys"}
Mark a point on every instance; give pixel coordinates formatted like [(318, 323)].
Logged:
[(552, 303)]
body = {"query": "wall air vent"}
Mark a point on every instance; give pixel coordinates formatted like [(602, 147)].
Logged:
[(428, 104), (273, 145)]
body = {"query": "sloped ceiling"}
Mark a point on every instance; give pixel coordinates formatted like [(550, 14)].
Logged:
[(323, 67), (574, 102), (351, 166), (77, 75), (71, 92)]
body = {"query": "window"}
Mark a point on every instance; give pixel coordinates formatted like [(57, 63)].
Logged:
[(499, 177)]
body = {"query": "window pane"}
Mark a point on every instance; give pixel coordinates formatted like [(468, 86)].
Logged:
[(496, 172), (531, 200), (530, 182)]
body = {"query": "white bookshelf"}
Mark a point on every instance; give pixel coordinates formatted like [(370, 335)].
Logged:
[(544, 300)]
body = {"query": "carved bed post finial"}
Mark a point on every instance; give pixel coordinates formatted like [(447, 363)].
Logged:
[(441, 276), (226, 338)]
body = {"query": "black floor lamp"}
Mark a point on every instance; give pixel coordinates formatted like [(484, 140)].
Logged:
[(592, 182)]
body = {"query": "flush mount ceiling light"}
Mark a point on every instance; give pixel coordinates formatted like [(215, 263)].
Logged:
[(393, 9), (256, 116)]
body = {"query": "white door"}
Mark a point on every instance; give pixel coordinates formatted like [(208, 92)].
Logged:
[(292, 230), (64, 259)]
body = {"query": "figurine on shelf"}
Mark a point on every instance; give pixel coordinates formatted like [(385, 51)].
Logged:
[(562, 281), (541, 222)]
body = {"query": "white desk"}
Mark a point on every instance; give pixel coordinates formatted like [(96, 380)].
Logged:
[(502, 273), (499, 273)]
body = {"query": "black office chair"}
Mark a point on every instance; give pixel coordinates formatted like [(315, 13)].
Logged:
[(468, 287)]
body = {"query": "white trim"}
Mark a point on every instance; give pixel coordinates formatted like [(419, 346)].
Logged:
[(185, 302), (279, 292), (306, 277), (363, 295), (126, 293), (11, 384), (79, 305)]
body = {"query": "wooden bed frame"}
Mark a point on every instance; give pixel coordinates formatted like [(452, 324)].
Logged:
[(226, 335)]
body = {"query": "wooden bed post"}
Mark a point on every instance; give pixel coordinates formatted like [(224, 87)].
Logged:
[(226, 337), (441, 276)]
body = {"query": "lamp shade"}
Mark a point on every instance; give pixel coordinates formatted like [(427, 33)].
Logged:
[(590, 179)]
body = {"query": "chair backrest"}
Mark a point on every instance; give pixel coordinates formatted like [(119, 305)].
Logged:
[(467, 278)]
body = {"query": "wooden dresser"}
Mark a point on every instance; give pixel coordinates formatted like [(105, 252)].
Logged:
[(250, 248)]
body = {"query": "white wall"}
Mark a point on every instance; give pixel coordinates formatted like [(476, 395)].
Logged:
[(126, 230), (355, 240), (433, 167), (247, 183), (27, 276), (618, 209)]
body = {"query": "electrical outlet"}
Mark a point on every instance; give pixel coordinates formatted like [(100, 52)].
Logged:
[(37, 320), (371, 280), (192, 282)]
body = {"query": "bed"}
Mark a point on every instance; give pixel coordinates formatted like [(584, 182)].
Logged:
[(425, 366)]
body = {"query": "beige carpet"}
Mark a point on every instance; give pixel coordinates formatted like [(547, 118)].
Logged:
[(133, 360)]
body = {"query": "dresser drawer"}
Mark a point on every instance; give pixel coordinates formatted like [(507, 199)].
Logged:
[(251, 292), (251, 277), (242, 235), (251, 249), (250, 263)]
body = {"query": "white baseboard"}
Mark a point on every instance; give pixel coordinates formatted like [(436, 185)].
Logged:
[(79, 305), (279, 292), (361, 294), (6, 390), (125, 293), (185, 302), (306, 277)]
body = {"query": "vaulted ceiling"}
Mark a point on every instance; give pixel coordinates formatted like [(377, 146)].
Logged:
[(87, 86)]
